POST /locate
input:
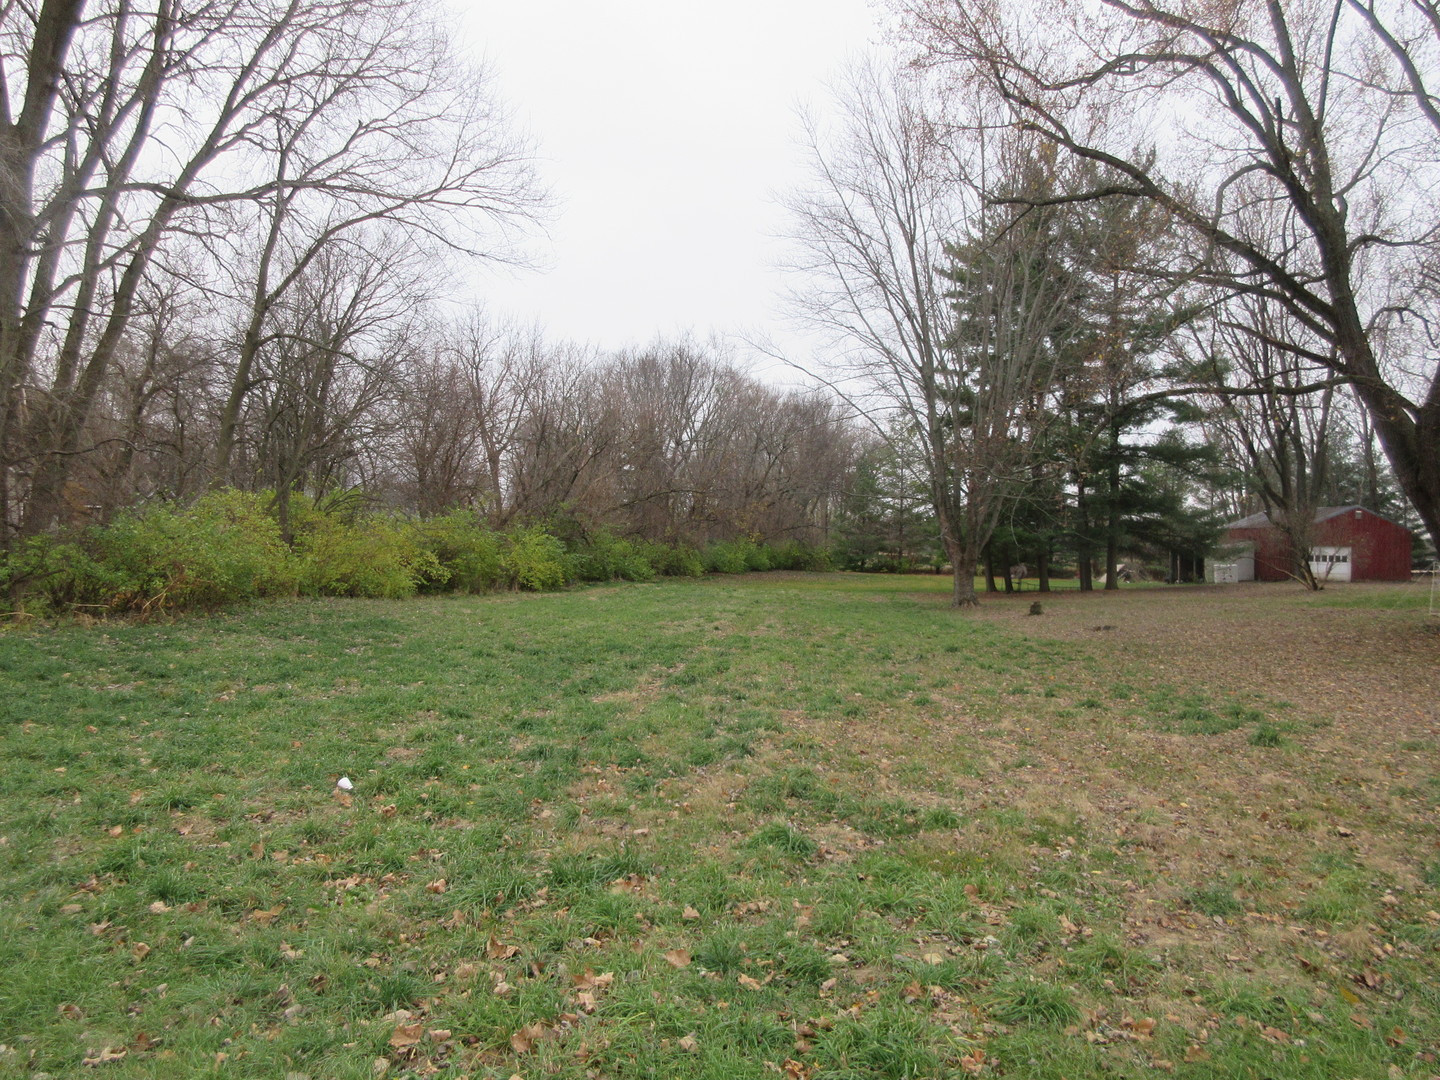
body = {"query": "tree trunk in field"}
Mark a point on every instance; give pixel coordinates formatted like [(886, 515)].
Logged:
[(964, 561), (1112, 511)]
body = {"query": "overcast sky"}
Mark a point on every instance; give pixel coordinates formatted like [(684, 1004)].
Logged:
[(666, 128)]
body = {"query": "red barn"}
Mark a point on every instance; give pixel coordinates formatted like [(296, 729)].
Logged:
[(1350, 544)]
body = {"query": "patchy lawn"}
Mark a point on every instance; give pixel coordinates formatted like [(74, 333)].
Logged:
[(783, 825)]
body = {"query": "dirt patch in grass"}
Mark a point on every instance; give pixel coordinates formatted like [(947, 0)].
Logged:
[(1374, 670)]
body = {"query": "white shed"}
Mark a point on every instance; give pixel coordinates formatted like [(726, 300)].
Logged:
[(1236, 564)]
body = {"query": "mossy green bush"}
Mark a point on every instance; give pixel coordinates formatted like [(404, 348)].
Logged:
[(725, 557), (471, 552), (376, 555), (603, 556), (223, 549), (793, 555), (533, 559), (673, 560)]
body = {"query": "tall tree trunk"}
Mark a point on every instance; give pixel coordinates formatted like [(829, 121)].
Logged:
[(1112, 510), (964, 561), (1084, 552), (990, 586)]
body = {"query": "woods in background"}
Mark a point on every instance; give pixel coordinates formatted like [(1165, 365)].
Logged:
[(229, 233)]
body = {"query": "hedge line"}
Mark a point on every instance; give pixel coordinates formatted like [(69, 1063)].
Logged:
[(227, 548)]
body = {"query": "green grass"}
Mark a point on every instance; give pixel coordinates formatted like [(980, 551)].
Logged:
[(681, 830)]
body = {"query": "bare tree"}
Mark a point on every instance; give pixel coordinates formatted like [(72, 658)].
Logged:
[(467, 385), (1281, 434), (1317, 110), (943, 308), (333, 356), (138, 123)]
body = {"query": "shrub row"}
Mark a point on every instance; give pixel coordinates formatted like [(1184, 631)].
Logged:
[(227, 548)]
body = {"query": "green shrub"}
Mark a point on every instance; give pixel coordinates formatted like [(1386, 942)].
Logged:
[(470, 552), (49, 572), (725, 557), (756, 557), (793, 555), (674, 560), (224, 549), (377, 556), (607, 557), (533, 559)]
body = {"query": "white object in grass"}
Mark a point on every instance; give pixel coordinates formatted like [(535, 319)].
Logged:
[(344, 783)]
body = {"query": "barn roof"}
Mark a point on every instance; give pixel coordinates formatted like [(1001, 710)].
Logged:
[(1324, 513)]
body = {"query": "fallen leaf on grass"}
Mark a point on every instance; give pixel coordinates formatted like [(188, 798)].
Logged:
[(748, 983), (140, 950), (467, 970), (688, 1043), (689, 913), (106, 1056), (496, 951), (439, 885), (678, 957), (524, 1040), (588, 980), (1141, 1029), (407, 1035)]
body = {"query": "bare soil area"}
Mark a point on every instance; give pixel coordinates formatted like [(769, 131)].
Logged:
[(1371, 669)]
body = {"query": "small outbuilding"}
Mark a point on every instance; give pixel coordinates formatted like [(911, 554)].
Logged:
[(1350, 544)]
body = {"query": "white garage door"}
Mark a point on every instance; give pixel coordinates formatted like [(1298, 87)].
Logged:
[(1330, 563)]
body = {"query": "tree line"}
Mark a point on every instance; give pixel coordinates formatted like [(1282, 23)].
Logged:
[(227, 231), (1092, 256), (1058, 327)]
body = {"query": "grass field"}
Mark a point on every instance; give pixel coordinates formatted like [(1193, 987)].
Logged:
[(797, 826)]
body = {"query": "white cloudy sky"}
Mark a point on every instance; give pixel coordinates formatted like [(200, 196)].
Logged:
[(666, 128)]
